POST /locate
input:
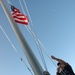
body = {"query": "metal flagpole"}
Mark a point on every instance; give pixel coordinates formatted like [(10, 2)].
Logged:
[(35, 65)]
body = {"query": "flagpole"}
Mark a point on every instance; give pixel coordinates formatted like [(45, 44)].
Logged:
[(35, 65)]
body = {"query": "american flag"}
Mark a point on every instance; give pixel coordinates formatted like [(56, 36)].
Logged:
[(18, 16)]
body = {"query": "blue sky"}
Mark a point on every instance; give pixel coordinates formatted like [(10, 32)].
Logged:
[(54, 23)]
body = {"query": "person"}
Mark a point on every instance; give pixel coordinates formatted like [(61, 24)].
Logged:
[(63, 67)]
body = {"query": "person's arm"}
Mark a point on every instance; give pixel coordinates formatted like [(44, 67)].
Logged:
[(59, 60)]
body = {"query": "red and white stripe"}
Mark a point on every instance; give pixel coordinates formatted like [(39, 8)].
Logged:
[(19, 17)]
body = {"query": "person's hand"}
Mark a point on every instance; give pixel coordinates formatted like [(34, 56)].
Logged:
[(53, 57)]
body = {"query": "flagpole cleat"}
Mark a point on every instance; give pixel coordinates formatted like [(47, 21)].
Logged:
[(46, 73)]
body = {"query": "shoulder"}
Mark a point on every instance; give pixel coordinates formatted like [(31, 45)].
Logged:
[(67, 64)]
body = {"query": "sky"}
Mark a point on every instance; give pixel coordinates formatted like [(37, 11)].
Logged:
[(54, 24)]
